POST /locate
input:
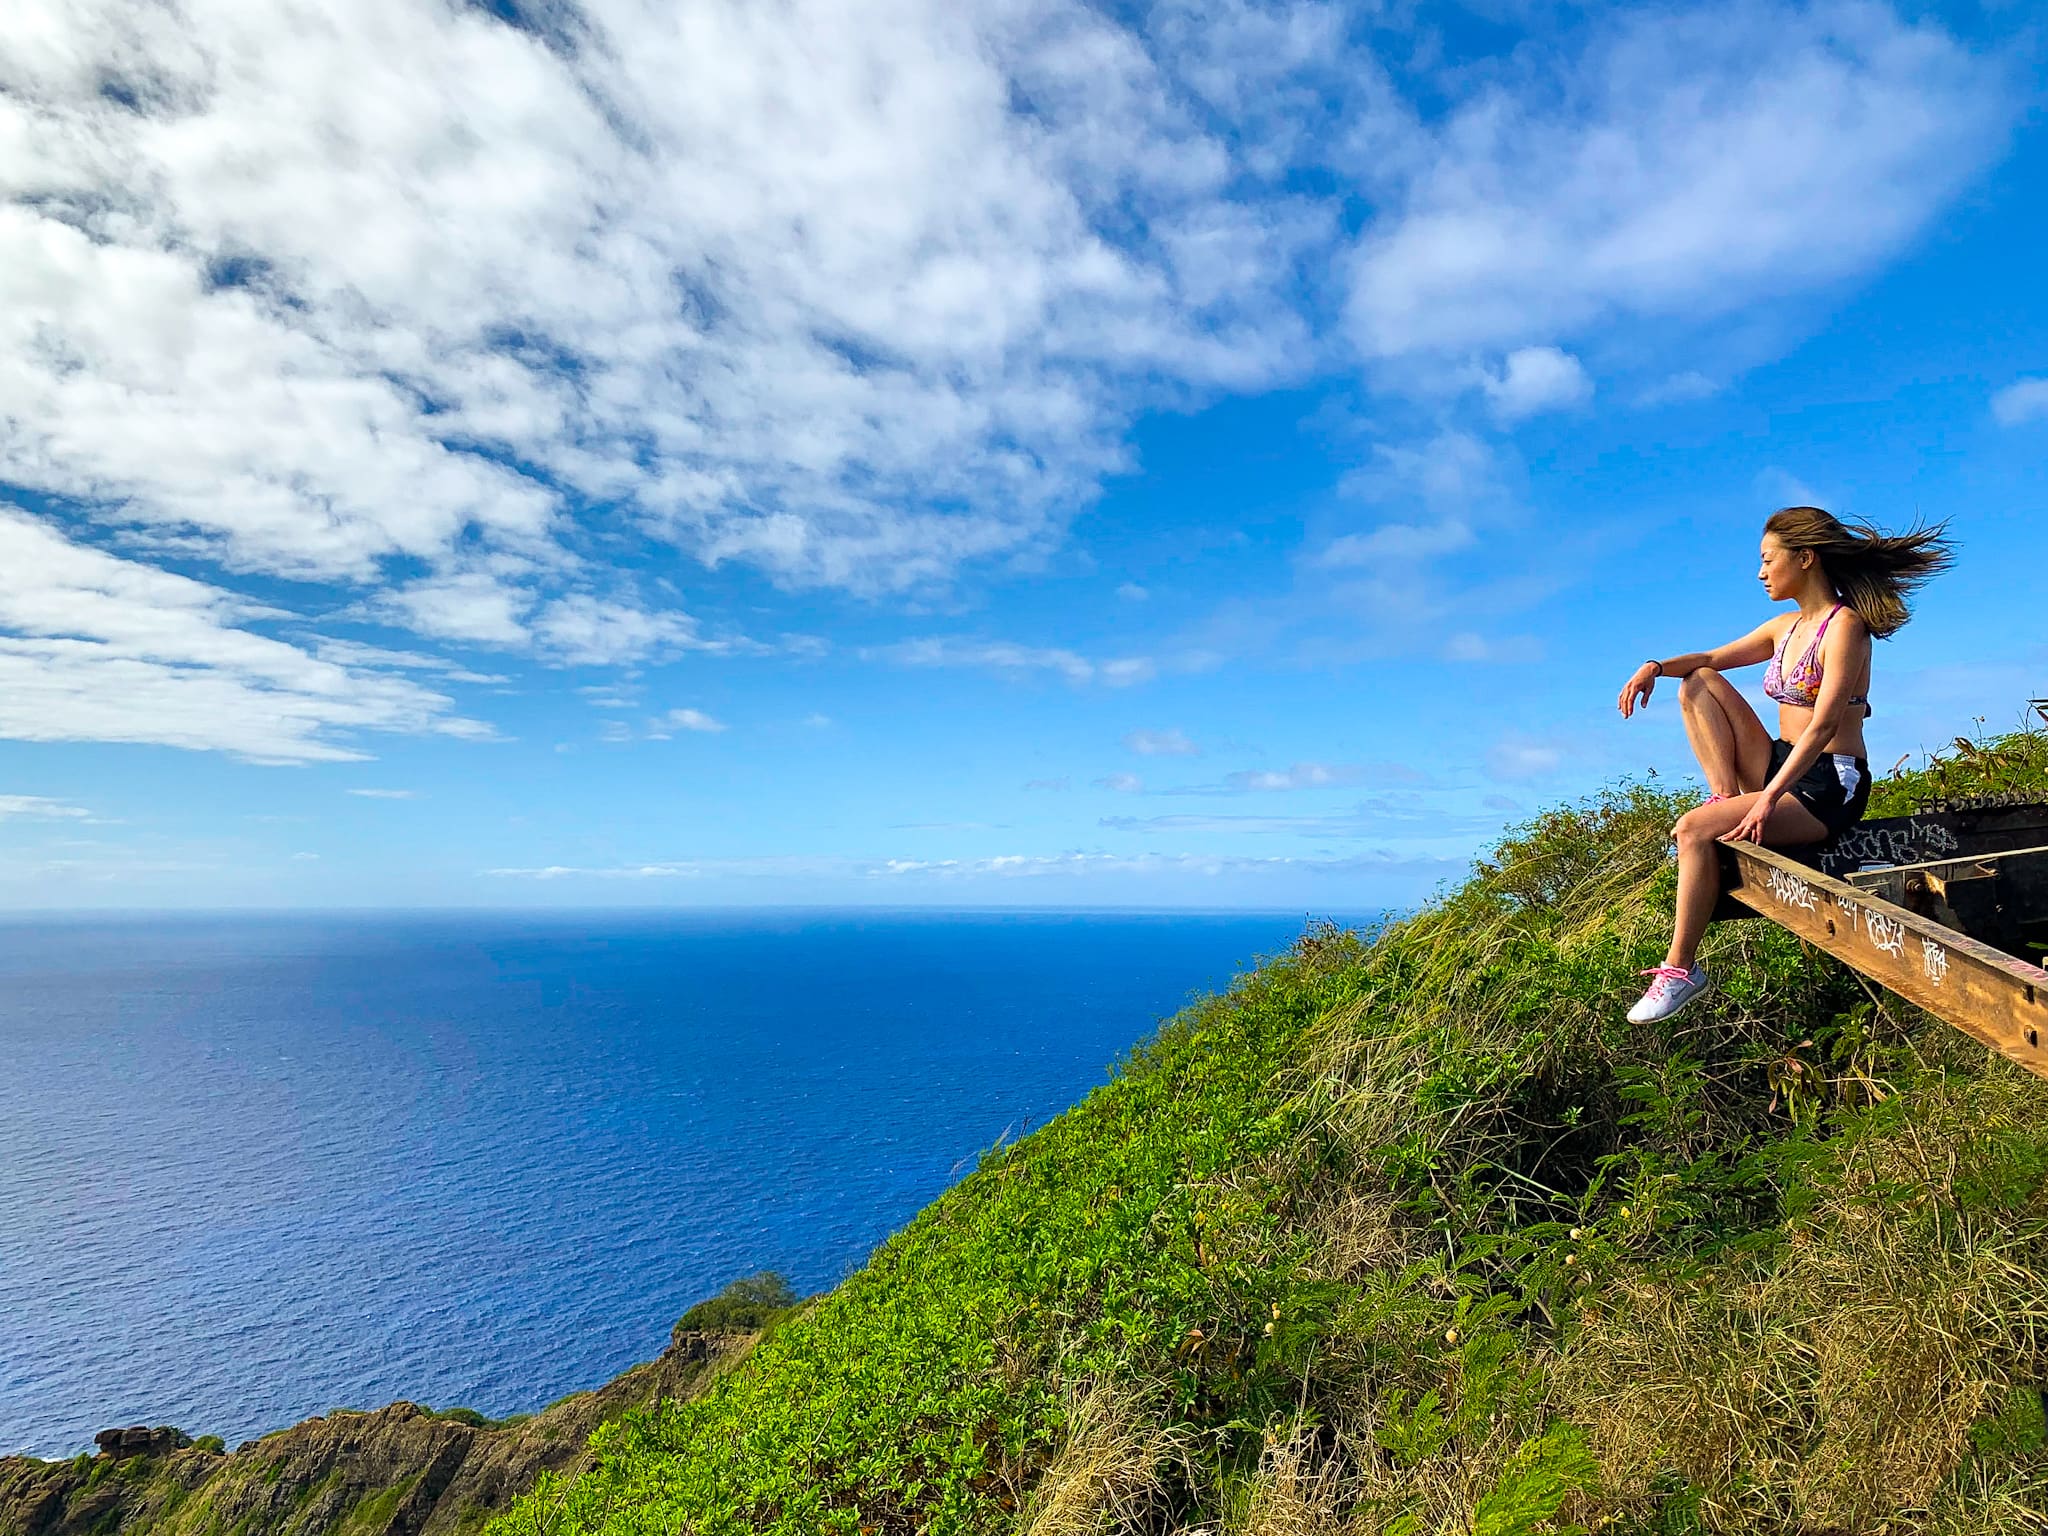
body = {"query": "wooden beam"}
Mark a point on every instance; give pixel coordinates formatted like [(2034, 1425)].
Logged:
[(1988, 995)]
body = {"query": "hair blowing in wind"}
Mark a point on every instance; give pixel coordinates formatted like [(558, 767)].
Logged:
[(1873, 571)]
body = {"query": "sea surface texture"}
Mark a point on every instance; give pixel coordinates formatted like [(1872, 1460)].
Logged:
[(251, 1170)]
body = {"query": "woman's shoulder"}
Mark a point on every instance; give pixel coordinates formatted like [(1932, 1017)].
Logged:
[(1848, 623)]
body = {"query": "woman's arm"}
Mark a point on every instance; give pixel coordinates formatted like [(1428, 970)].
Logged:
[(1845, 652), (1752, 648)]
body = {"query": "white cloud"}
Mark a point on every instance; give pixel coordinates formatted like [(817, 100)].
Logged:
[(386, 794), (354, 653), (1131, 592), (2026, 400), (1465, 645), (1122, 783), (1683, 165), (1168, 743), (1379, 818), (853, 295), (1678, 388), (37, 808), (610, 695), (470, 607), (1027, 866), (1395, 543), (1005, 656), (1516, 759), (684, 720), (1535, 379), (584, 631), (1777, 484), (1300, 776), (455, 316), (1018, 866), (98, 648)]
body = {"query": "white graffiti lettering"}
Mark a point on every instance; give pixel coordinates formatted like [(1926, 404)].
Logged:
[(1934, 961), (1792, 890), (1911, 843), (1885, 933)]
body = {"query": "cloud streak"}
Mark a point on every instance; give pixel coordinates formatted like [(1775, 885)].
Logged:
[(38, 808), (97, 648), (1004, 656)]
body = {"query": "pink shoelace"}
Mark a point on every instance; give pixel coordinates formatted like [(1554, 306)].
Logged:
[(1713, 800), (1668, 972)]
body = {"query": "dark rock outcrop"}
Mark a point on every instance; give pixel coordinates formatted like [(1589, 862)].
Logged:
[(141, 1440), (399, 1471)]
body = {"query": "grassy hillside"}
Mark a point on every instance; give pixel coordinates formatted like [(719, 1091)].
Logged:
[(1409, 1232)]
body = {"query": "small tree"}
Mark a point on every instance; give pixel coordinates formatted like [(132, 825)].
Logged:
[(747, 1304)]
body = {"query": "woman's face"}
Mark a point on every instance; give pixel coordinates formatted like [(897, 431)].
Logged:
[(1782, 573)]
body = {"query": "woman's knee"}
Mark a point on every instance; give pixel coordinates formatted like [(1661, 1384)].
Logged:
[(1695, 830), (1697, 684)]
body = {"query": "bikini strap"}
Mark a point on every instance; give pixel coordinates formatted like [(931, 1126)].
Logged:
[(1811, 654)]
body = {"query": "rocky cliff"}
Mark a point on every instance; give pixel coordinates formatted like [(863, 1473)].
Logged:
[(398, 1471)]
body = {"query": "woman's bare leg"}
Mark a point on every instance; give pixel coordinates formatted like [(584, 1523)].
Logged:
[(1732, 745), (1699, 833)]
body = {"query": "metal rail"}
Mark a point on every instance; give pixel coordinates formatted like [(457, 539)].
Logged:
[(1986, 993)]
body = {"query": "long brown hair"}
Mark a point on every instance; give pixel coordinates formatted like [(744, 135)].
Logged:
[(1872, 571)]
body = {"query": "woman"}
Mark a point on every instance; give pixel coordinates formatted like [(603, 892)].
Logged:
[(1813, 780)]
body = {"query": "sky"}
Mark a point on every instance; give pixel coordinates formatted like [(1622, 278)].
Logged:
[(964, 452)]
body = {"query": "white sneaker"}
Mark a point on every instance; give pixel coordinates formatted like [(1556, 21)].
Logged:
[(1670, 990)]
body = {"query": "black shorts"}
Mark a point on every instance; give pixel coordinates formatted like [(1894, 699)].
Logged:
[(1835, 789)]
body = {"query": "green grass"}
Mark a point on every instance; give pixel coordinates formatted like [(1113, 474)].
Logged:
[(1410, 1232), (374, 1513)]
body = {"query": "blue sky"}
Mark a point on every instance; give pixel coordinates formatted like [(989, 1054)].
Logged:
[(1007, 453)]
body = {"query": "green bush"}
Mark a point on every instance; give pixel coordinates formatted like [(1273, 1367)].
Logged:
[(745, 1306), (210, 1443)]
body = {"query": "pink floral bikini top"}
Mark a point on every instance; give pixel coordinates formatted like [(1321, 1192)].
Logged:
[(1800, 687)]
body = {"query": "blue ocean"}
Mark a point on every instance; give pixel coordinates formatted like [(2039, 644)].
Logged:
[(254, 1169)]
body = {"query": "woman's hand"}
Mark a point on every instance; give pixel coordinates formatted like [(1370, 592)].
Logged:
[(1751, 828), (1636, 691)]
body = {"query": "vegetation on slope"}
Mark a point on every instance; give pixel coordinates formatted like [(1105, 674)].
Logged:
[(403, 1470), (1410, 1232)]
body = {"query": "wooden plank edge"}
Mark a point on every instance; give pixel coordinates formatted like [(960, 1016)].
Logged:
[(1997, 1000)]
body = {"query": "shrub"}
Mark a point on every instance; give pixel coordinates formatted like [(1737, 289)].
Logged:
[(745, 1306)]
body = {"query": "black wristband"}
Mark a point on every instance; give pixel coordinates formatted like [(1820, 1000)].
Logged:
[(1654, 662)]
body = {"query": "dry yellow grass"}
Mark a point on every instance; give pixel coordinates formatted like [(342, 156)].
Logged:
[(1837, 1389), (1299, 1490), (1108, 1478)]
